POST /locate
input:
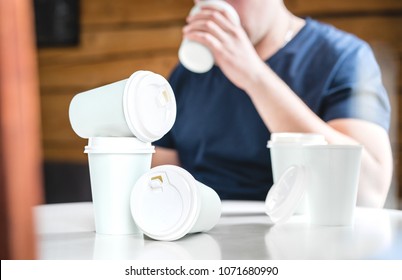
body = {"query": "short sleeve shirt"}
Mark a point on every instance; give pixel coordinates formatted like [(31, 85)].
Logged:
[(221, 139)]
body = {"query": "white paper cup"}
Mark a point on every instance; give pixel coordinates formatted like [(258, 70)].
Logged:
[(333, 177), (167, 203), (143, 106), (286, 150), (195, 56), (115, 164)]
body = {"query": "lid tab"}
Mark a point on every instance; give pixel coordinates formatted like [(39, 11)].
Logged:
[(165, 202), (156, 182)]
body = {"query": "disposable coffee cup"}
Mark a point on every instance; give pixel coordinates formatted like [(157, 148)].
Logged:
[(330, 175), (197, 57), (286, 149), (334, 172), (167, 203), (142, 106), (115, 164)]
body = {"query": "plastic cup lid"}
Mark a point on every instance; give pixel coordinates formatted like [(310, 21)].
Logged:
[(165, 202), (285, 195), (149, 105), (118, 145), (287, 138)]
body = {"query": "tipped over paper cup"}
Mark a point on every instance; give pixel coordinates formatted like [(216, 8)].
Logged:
[(167, 203)]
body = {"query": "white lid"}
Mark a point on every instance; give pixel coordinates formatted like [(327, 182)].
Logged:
[(165, 202), (118, 145), (286, 138), (285, 195), (195, 56), (149, 105)]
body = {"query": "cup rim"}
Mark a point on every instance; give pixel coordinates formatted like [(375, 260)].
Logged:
[(336, 146), (89, 150), (295, 144), (296, 139), (117, 145)]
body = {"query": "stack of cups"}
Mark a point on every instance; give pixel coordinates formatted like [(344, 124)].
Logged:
[(121, 120), (195, 56)]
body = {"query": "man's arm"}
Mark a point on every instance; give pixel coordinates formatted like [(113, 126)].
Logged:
[(376, 168), (283, 111)]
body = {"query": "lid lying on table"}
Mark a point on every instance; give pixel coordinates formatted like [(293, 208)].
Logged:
[(284, 196)]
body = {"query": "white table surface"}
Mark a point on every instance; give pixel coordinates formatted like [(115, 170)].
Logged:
[(67, 231)]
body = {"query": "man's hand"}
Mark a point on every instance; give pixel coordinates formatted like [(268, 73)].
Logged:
[(232, 49)]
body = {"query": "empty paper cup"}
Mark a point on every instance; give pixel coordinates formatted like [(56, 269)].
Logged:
[(167, 203), (330, 175), (286, 150), (333, 173), (195, 56), (143, 106), (115, 164)]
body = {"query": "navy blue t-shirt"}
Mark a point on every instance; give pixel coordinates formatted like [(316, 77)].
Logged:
[(221, 139)]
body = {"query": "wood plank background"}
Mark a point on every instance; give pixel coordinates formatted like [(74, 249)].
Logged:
[(121, 36)]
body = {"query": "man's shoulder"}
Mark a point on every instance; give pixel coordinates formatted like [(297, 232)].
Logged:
[(332, 39)]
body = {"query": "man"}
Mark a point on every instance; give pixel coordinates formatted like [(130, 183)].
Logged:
[(275, 73)]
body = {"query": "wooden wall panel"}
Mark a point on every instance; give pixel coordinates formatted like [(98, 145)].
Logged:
[(55, 115), (386, 29), (157, 11), (106, 44), (342, 7), (128, 11), (84, 76)]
